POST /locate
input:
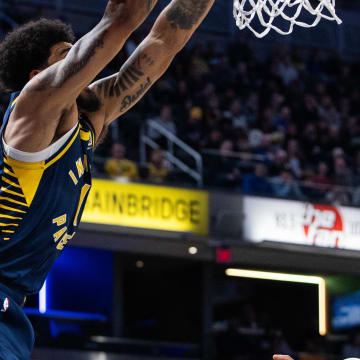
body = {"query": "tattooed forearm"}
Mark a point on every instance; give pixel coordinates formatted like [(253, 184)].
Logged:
[(130, 100), (72, 68), (125, 80), (185, 14), (115, 86)]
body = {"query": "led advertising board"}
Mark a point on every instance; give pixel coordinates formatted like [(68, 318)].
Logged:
[(147, 207)]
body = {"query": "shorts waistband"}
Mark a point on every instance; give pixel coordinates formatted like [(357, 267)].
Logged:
[(13, 294)]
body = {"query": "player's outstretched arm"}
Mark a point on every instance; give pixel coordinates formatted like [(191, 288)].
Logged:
[(89, 56), (172, 30), (51, 94)]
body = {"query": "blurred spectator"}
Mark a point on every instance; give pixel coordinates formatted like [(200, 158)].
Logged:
[(327, 110), (310, 144), (193, 129), (118, 167), (321, 181), (338, 196), (283, 118), (165, 119), (294, 156), (252, 107), (223, 168), (285, 186), (236, 115), (287, 70), (257, 183), (279, 162), (214, 140), (158, 168), (342, 173)]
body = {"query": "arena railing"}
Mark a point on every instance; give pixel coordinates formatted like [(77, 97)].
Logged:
[(172, 144)]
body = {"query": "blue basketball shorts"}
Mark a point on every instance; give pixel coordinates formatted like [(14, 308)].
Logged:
[(16, 331)]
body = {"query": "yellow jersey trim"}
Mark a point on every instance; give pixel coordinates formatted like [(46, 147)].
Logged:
[(85, 135), (11, 209), (85, 189), (91, 128), (13, 201), (11, 192), (24, 165), (41, 164), (10, 182), (62, 153), (10, 217), (7, 171)]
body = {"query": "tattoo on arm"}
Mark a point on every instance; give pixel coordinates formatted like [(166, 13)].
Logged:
[(115, 86), (184, 14), (125, 80), (72, 68), (131, 99)]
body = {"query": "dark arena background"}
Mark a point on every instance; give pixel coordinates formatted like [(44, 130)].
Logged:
[(223, 221)]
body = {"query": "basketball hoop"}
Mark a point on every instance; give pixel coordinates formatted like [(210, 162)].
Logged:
[(245, 11)]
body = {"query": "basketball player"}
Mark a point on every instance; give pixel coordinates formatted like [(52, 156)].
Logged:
[(54, 120)]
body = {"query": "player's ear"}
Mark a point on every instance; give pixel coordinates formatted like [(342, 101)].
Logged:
[(34, 73)]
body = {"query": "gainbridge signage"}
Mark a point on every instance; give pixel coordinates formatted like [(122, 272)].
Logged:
[(147, 207), (301, 223)]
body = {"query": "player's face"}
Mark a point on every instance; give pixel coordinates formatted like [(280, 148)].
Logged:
[(58, 52)]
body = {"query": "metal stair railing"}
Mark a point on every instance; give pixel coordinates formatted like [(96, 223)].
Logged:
[(172, 140)]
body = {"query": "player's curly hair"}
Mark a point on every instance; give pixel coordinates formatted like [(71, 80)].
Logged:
[(28, 48)]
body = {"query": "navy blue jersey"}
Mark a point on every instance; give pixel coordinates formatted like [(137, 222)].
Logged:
[(41, 204)]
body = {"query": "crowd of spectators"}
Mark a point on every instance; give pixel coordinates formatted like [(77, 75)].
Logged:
[(285, 124), (119, 168)]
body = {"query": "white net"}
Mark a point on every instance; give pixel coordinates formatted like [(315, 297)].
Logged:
[(268, 10)]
